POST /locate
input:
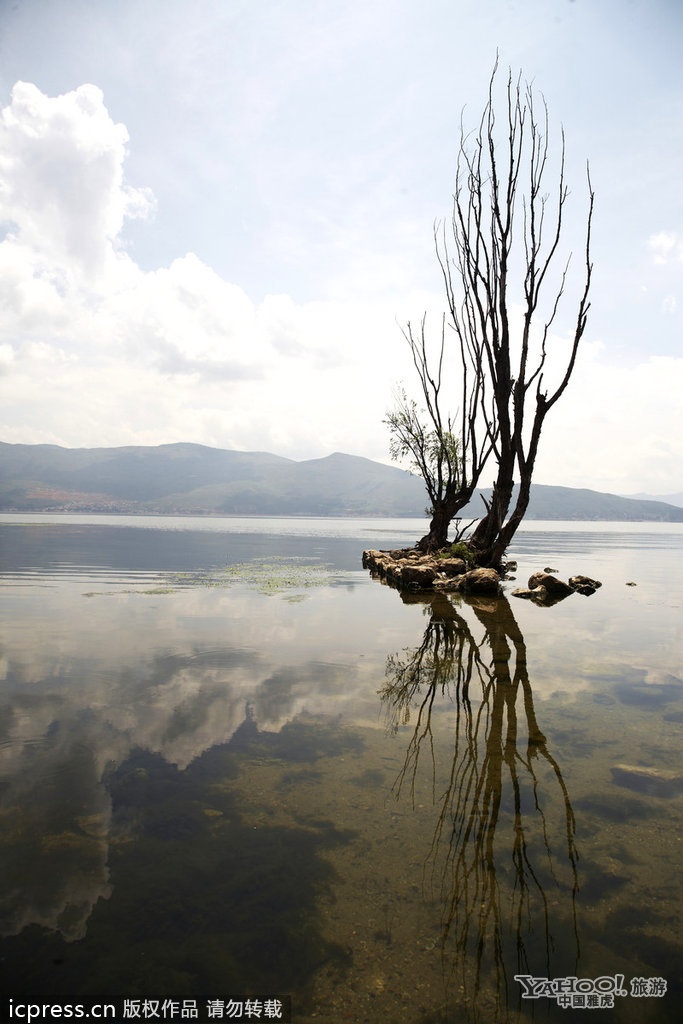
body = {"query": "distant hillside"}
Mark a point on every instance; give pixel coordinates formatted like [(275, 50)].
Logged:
[(191, 479), (194, 479), (669, 499), (580, 503)]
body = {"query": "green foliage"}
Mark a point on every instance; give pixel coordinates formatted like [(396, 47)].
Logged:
[(462, 550), (459, 549), (431, 450)]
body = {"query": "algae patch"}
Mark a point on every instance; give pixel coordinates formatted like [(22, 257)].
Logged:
[(291, 576), (267, 575)]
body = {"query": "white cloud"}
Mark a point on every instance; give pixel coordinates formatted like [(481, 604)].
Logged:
[(667, 247), (62, 168), (617, 426), (97, 351)]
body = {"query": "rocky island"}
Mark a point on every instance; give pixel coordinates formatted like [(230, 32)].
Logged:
[(447, 570)]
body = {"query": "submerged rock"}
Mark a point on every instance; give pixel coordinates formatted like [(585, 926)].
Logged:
[(650, 781), (545, 588), (584, 584), (537, 594), (553, 586)]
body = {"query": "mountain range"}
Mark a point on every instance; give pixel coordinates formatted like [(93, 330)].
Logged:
[(192, 479)]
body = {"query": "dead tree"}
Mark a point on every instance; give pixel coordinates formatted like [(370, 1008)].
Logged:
[(506, 231), (504, 280)]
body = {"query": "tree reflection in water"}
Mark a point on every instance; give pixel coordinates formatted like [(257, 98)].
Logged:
[(503, 854)]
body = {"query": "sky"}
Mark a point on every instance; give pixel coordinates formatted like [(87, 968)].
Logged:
[(216, 215)]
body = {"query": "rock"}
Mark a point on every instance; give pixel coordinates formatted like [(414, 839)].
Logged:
[(540, 596), (530, 595), (418, 576), (447, 583), (548, 569), (406, 569), (413, 570), (480, 581), (452, 566), (584, 584), (370, 557), (393, 572), (380, 563), (554, 587)]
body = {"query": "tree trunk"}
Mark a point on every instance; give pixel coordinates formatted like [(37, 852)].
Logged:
[(488, 530), (507, 532), (497, 534), (437, 538)]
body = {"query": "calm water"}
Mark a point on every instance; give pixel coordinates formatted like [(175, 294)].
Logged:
[(230, 762)]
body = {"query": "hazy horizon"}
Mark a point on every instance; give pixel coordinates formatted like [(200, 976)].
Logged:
[(675, 498)]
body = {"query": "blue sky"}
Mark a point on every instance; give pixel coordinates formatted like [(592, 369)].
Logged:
[(213, 214)]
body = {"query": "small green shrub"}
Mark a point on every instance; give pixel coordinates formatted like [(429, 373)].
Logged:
[(461, 550)]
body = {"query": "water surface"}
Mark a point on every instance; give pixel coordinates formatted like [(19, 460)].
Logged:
[(232, 762)]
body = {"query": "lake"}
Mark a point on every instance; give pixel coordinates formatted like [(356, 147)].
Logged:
[(234, 766)]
